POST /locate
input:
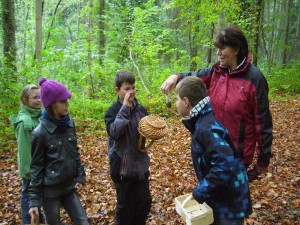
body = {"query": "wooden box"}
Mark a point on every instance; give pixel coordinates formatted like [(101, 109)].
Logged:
[(192, 212)]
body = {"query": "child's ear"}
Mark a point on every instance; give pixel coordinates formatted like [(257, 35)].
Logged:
[(186, 102), (117, 89)]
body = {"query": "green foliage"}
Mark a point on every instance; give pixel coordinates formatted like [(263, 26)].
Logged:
[(156, 33), (285, 81)]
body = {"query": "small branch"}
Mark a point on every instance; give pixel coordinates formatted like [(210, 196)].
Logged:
[(138, 70)]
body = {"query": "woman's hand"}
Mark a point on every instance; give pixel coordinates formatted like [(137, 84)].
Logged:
[(169, 84), (78, 187)]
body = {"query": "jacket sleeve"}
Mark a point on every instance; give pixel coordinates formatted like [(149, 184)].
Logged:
[(80, 172), (37, 169), (204, 74), (219, 173), (263, 122), (116, 122), (24, 150)]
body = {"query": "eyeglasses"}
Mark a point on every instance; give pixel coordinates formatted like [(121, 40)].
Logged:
[(35, 97)]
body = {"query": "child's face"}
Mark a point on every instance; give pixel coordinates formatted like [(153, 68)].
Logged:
[(61, 109), (126, 91), (183, 106), (34, 100)]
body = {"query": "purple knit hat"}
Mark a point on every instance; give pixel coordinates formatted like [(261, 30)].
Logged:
[(52, 91)]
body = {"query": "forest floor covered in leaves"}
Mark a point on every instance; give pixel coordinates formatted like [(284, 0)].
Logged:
[(275, 196)]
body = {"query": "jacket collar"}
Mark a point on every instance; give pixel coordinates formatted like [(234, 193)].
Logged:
[(190, 123), (243, 67), (197, 109), (51, 127)]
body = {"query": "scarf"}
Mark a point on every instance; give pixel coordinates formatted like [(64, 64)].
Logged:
[(197, 109), (34, 113), (60, 123)]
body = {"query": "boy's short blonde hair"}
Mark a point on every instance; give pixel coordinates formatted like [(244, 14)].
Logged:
[(192, 88)]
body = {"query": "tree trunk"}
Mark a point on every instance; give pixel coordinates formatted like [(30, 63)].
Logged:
[(279, 31), (264, 40), (101, 31), (38, 29), (209, 53), (257, 26), (273, 34), (297, 31), (25, 33), (193, 43), (286, 36), (90, 27), (9, 38), (54, 15)]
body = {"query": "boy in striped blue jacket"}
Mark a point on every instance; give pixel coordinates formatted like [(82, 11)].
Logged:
[(222, 178)]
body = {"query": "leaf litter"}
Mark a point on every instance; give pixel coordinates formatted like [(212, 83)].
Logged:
[(275, 196)]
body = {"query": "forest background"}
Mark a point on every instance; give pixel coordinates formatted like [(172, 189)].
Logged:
[(83, 43)]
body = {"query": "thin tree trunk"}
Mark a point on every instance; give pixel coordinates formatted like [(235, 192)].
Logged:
[(278, 31), (256, 35), (264, 40), (193, 44), (38, 29), (101, 32), (9, 38), (78, 17), (286, 36), (90, 35), (25, 33), (273, 34), (91, 79), (54, 15), (209, 53), (298, 31)]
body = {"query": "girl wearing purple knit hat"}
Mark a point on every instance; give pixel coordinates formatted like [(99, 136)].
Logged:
[(57, 173)]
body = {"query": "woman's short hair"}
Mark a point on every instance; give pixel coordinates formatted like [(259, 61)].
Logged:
[(192, 88), (234, 37)]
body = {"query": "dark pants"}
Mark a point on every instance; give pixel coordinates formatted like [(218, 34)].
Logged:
[(26, 219), (218, 221), (71, 204), (133, 202)]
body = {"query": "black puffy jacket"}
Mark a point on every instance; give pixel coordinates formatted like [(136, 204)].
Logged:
[(56, 164)]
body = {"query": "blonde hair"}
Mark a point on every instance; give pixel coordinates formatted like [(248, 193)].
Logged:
[(26, 92)]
